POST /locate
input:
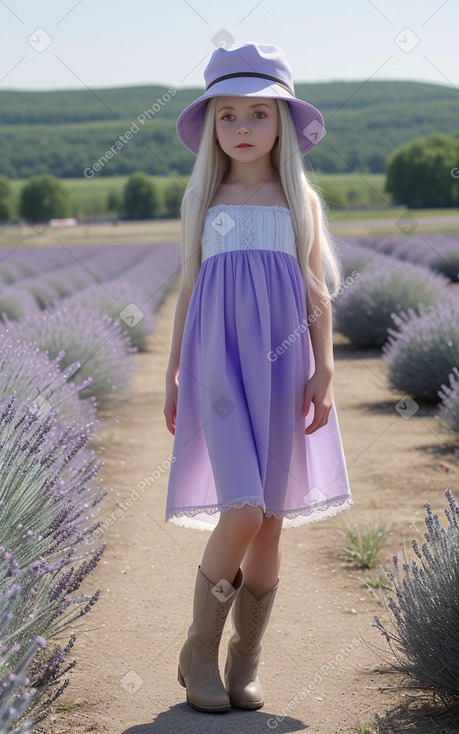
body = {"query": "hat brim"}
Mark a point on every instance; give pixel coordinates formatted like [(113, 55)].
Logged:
[(308, 121)]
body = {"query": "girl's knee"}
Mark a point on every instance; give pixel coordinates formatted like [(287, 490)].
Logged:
[(245, 522), (271, 527)]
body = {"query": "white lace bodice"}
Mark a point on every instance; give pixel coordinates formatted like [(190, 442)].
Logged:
[(247, 227)]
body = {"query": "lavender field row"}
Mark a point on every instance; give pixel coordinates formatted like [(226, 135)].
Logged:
[(70, 320), (400, 294), (440, 252)]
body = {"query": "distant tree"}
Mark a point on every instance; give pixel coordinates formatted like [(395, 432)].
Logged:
[(140, 197), (43, 198), (114, 202), (421, 173), (5, 193), (172, 198)]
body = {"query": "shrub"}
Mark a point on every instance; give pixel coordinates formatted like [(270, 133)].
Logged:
[(364, 312), (15, 302), (43, 197), (438, 251), (425, 610), (354, 256), (124, 302), (100, 346), (140, 197), (447, 263), (46, 500), (15, 690), (173, 195), (449, 396), (31, 374), (422, 353), (363, 544)]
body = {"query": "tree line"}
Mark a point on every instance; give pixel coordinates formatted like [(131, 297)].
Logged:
[(66, 132), (421, 174)]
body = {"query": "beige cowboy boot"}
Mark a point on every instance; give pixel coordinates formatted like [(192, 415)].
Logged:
[(250, 619), (198, 662)]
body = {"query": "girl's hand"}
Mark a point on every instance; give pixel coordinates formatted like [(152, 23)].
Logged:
[(170, 403), (318, 390)]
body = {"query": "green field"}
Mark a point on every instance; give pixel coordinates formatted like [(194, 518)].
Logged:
[(346, 191)]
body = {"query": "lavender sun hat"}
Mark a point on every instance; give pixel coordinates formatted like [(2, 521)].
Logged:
[(250, 70)]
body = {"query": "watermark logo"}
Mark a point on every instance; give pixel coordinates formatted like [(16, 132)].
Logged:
[(324, 670), (131, 682), (407, 407), (407, 223), (131, 315), (407, 40), (223, 406), (223, 590), (223, 223), (135, 494), (130, 133), (274, 354), (223, 38), (314, 132), (39, 40)]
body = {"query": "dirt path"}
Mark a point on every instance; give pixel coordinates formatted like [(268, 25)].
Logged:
[(317, 673)]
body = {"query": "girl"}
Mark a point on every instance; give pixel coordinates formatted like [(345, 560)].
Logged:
[(249, 382)]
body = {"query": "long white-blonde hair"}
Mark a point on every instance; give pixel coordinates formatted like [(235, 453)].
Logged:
[(305, 201)]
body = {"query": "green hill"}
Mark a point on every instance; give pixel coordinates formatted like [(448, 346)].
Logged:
[(66, 132)]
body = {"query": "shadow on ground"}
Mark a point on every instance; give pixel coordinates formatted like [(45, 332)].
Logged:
[(349, 351), (182, 719), (418, 718)]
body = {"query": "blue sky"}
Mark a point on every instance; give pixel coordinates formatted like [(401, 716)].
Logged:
[(71, 44)]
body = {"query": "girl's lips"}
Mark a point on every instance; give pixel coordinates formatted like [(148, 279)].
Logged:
[(244, 145)]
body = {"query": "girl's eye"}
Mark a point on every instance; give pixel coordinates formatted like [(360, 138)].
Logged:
[(259, 112)]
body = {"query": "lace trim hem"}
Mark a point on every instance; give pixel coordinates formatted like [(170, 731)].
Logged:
[(312, 513)]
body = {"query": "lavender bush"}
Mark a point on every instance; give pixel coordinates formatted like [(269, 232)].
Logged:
[(15, 302), (423, 350), (95, 341), (124, 302), (364, 312), (16, 693), (353, 256), (31, 374), (47, 496), (449, 398), (439, 251), (447, 263), (356, 256), (425, 610)]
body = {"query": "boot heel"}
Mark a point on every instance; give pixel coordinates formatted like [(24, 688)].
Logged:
[(180, 678)]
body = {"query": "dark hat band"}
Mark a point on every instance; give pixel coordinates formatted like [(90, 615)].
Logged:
[(250, 73)]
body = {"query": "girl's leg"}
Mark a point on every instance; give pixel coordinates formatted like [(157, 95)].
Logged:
[(262, 560), (228, 543), (198, 660), (251, 613)]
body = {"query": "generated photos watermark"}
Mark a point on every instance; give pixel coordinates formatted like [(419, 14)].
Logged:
[(274, 354), (312, 685), (130, 133), (135, 494)]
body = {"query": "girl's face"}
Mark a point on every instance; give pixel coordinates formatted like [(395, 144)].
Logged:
[(246, 121)]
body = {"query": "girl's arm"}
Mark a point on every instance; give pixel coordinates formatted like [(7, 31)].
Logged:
[(319, 389), (172, 372)]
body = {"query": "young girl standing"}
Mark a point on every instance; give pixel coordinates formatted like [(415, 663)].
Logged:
[(249, 394)]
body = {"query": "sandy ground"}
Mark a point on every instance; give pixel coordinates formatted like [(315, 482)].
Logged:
[(322, 623)]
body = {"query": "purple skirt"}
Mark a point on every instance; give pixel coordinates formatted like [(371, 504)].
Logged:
[(245, 360)]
